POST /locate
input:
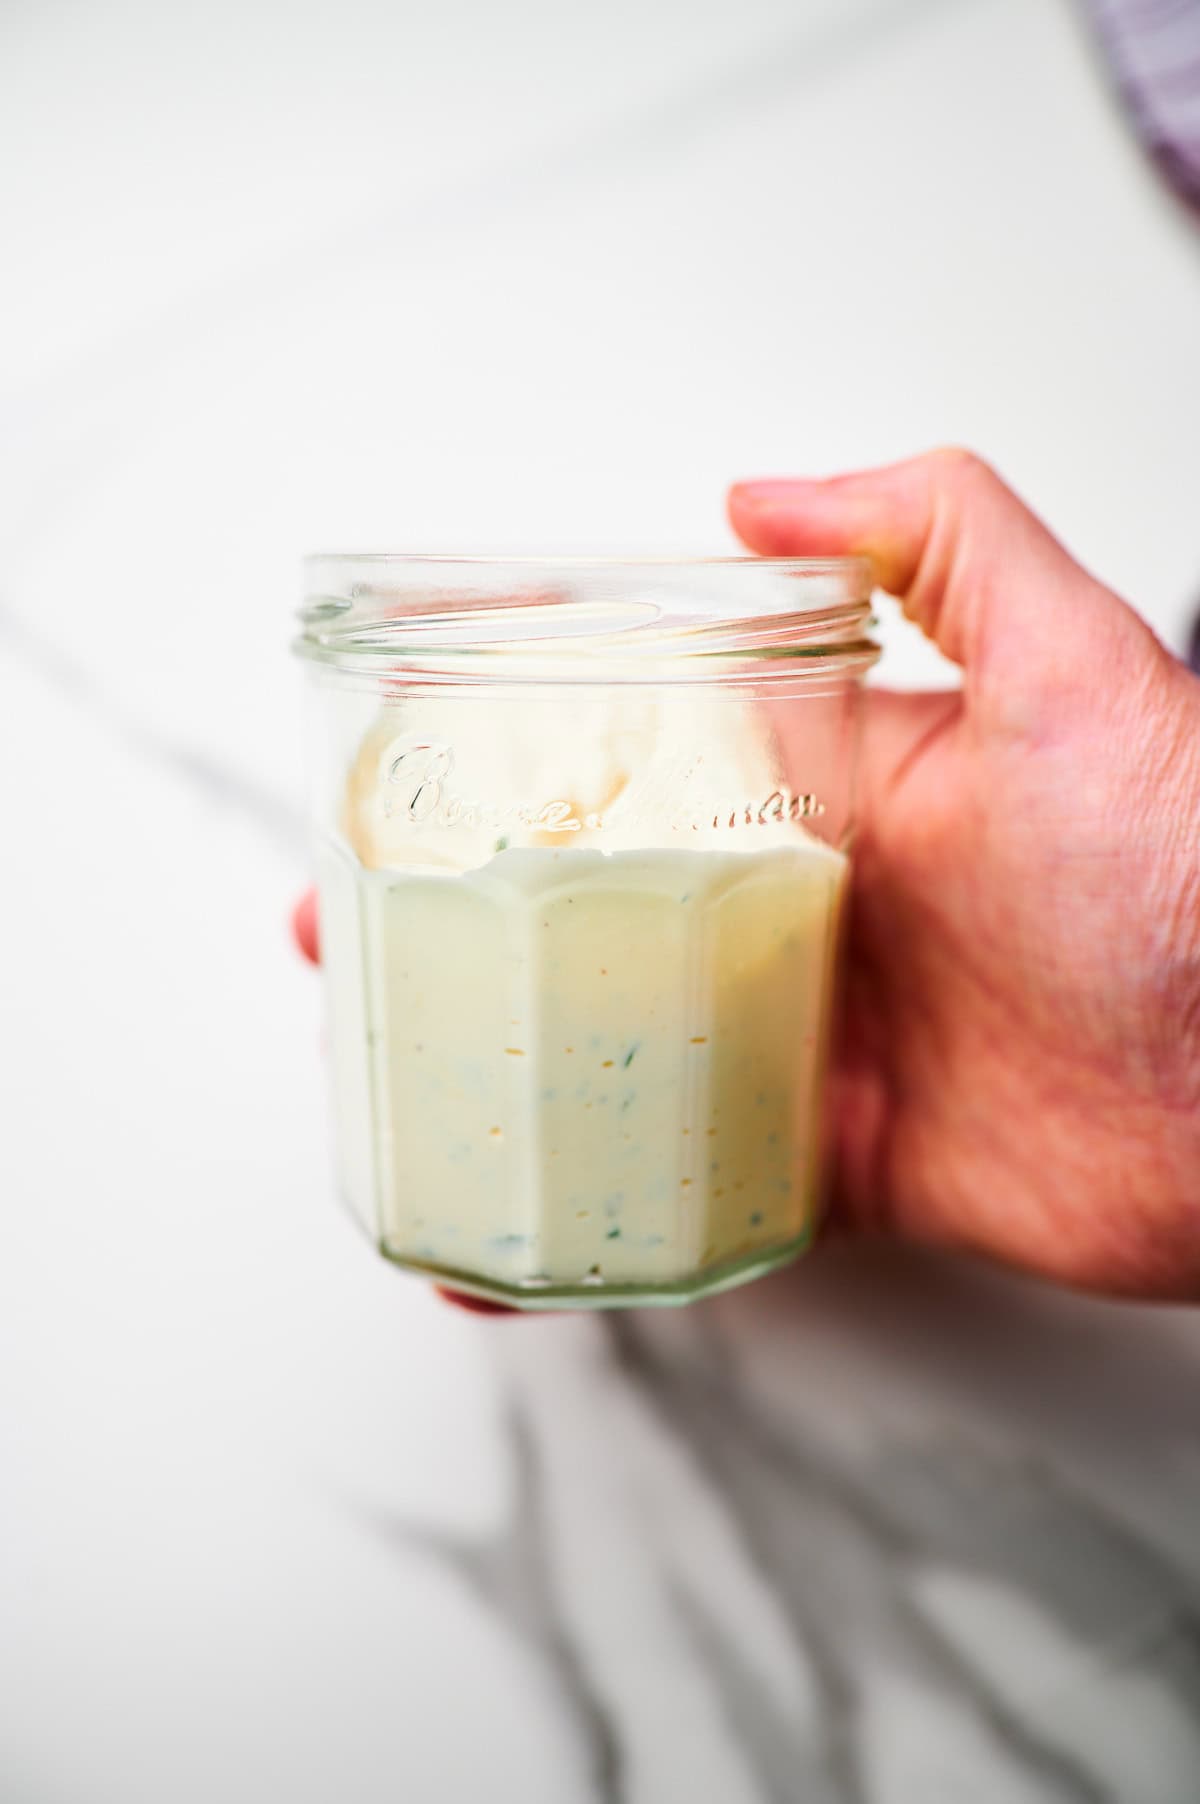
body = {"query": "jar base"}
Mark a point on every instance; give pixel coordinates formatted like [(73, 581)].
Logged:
[(597, 1294)]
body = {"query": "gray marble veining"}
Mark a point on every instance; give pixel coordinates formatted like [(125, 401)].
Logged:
[(217, 781), (934, 1615)]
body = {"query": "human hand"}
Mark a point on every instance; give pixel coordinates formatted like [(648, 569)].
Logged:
[(1019, 1070)]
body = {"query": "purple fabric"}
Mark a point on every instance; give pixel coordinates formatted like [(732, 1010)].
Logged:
[(1154, 49)]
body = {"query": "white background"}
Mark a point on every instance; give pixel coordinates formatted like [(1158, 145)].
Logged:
[(284, 278)]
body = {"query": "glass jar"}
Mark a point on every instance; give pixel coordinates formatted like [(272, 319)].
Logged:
[(582, 833)]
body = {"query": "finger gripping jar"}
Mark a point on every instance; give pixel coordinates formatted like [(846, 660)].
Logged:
[(582, 838)]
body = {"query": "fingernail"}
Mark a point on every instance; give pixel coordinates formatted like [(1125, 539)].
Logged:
[(770, 491), (475, 1305), (305, 927)]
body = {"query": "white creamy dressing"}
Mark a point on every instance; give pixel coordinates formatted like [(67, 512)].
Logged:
[(561, 1065)]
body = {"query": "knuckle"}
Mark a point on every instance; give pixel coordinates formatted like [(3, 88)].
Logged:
[(964, 470)]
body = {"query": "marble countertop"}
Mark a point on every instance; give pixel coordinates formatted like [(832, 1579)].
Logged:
[(274, 1524)]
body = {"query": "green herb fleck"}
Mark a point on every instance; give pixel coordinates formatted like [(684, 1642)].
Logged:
[(756, 1219), (501, 844), (627, 1061), (613, 1234)]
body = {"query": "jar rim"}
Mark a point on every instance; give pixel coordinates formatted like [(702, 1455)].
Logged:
[(526, 615), (588, 560)]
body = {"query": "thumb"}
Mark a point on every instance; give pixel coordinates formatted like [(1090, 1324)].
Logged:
[(976, 570)]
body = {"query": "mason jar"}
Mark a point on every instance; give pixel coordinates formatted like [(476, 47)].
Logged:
[(582, 839)]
